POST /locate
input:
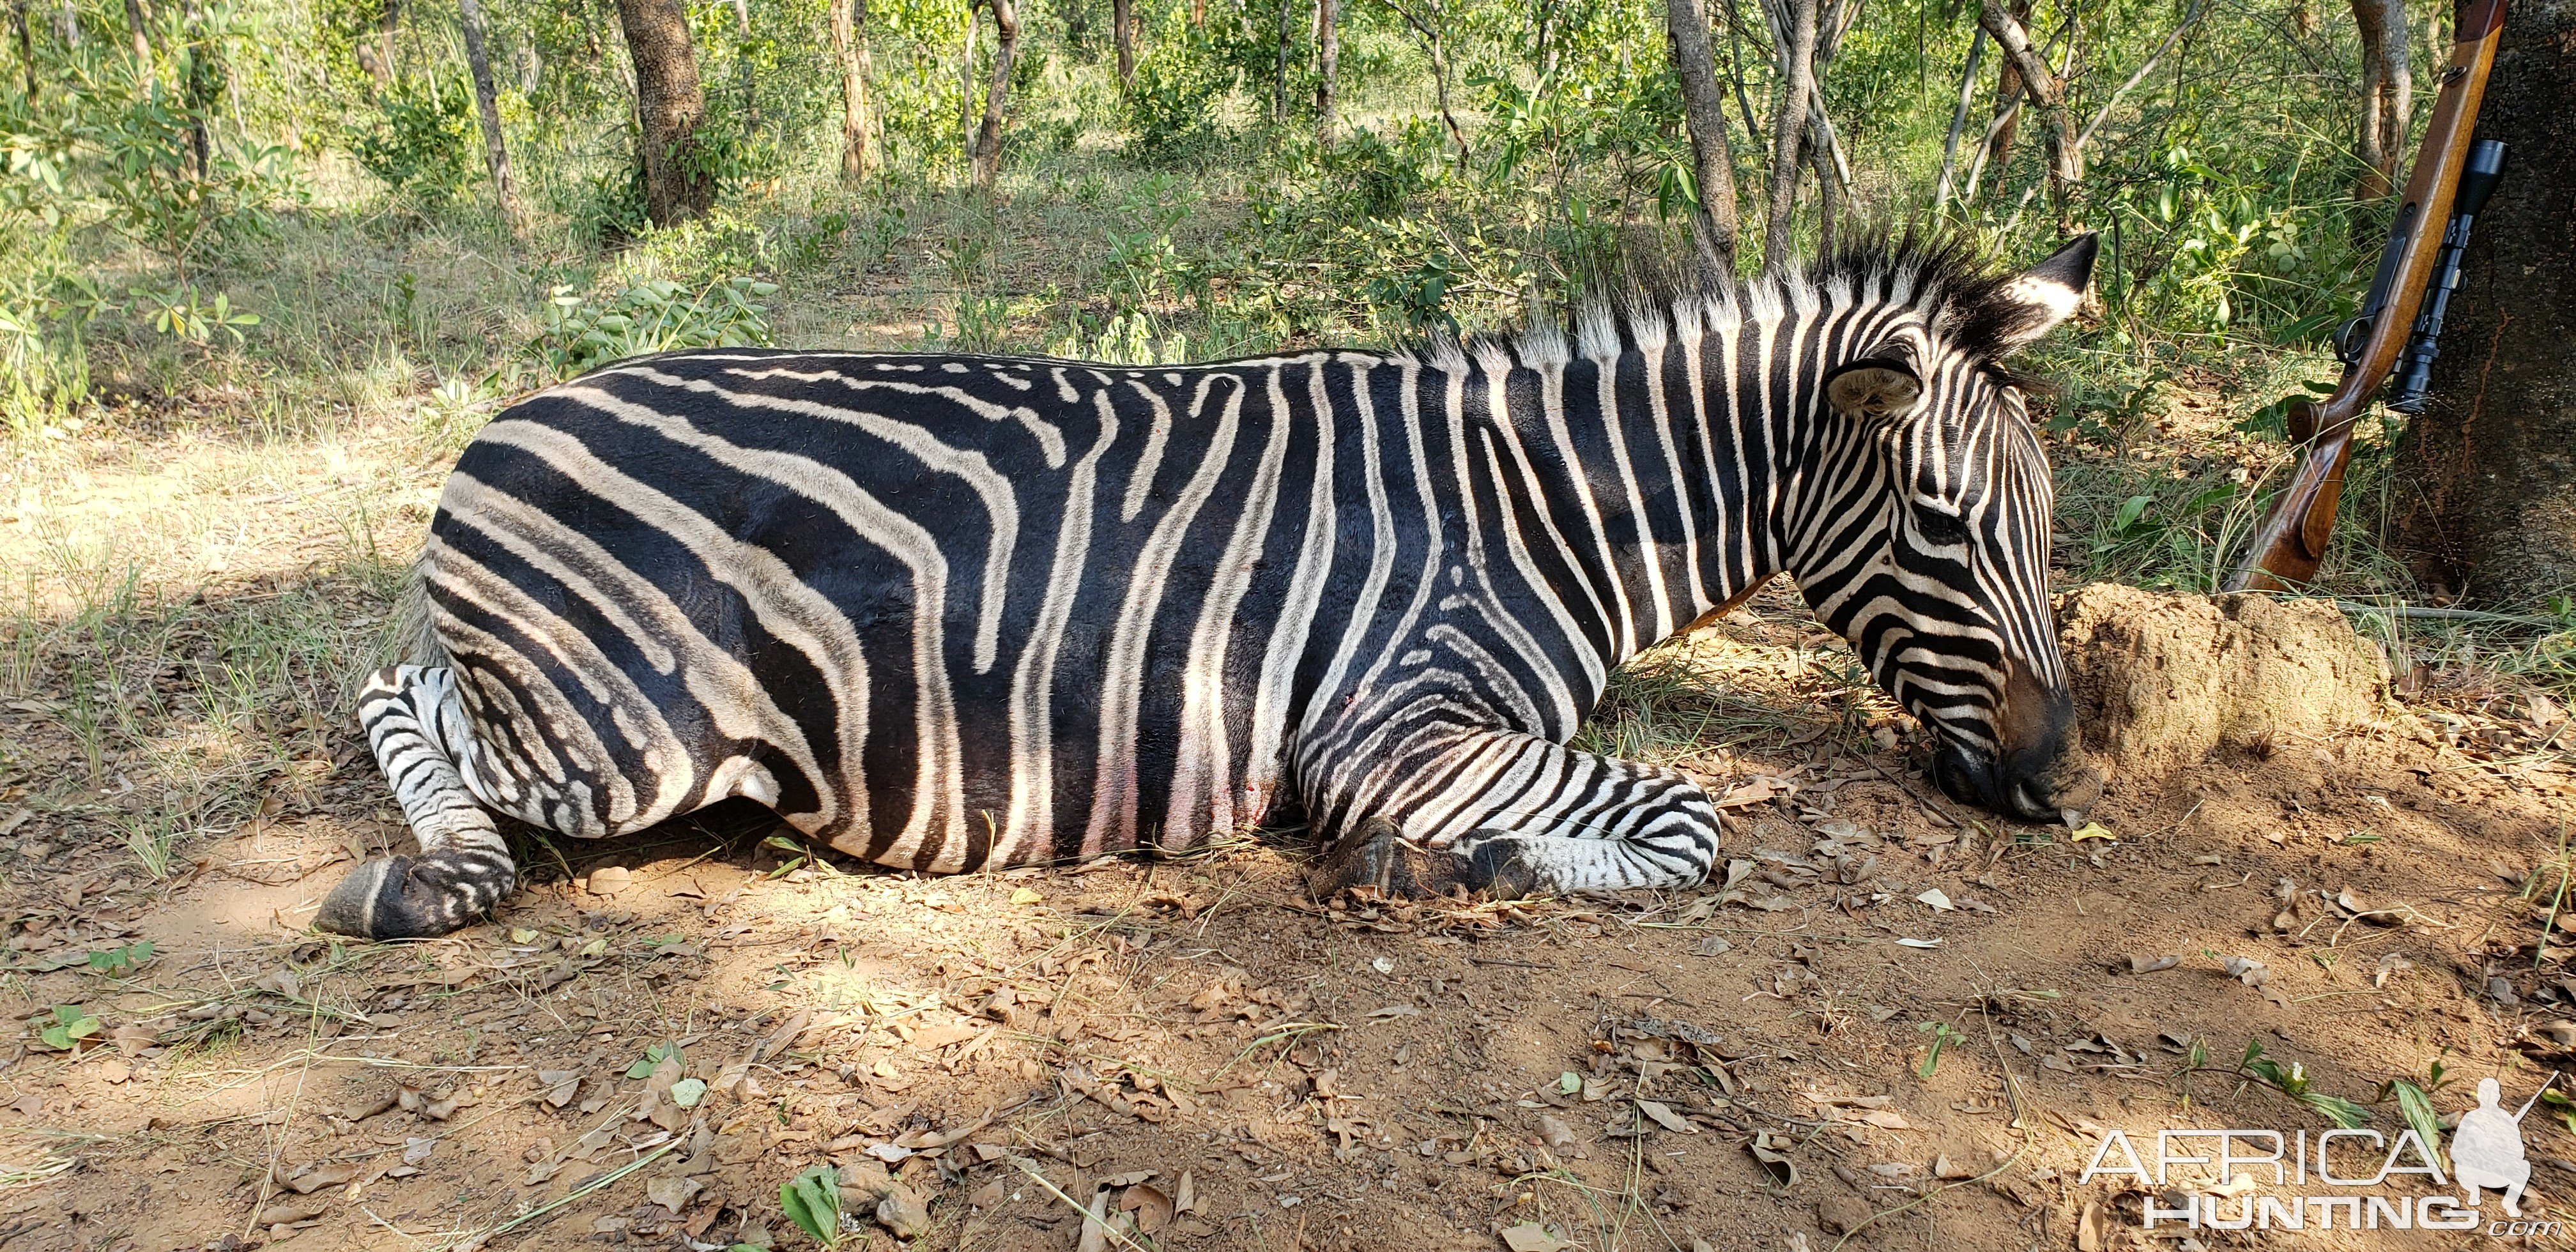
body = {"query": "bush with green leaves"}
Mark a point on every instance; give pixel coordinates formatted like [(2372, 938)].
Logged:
[(421, 140), (583, 333)]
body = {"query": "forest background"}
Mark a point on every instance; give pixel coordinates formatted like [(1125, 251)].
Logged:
[(314, 216)]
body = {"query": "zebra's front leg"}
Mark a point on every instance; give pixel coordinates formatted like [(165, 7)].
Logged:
[(1515, 814), (419, 732)]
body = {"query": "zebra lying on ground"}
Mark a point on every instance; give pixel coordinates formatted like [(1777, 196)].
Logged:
[(953, 612)]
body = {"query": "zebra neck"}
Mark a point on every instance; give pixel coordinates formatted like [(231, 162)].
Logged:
[(1656, 476)]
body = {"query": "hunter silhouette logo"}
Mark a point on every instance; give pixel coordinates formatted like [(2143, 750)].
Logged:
[(2486, 1148)]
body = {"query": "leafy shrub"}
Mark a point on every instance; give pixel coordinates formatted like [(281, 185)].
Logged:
[(422, 139), (583, 333), (607, 210), (1171, 109)]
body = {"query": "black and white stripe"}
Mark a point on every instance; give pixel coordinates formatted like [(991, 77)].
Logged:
[(953, 612)]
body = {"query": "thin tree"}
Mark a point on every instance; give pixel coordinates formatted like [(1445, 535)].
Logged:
[(1713, 225), (496, 154), (139, 26), (1328, 59), (1279, 79), (2387, 93), (1789, 128), (26, 44), (670, 106), (1959, 119), (1427, 24), (1006, 47), (850, 54), (2065, 160), (966, 114), (378, 59), (2004, 124), (1122, 29)]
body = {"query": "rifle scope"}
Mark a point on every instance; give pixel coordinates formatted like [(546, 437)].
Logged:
[(2478, 181)]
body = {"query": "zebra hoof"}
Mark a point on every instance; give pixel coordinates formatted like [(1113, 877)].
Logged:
[(398, 898), (1370, 855), (1495, 867)]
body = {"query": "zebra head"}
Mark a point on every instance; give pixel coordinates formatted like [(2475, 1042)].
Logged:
[(1938, 574)]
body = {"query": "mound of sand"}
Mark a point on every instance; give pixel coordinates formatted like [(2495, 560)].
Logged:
[(2163, 681)]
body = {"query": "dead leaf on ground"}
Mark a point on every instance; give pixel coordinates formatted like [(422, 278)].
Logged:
[(2150, 965), (1532, 1237)]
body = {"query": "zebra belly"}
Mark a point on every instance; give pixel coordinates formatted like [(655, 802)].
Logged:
[(925, 635)]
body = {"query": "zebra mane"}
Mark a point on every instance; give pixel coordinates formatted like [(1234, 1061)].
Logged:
[(1965, 295)]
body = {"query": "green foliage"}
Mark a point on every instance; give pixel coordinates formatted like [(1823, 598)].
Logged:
[(2415, 1106), (422, 139), (654, 1055), (812, 1200), (1941, 1035), (65, 1026), (2292, 1080), (657, 315), (117, 962)]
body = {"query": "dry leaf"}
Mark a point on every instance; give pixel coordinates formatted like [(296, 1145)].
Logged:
[(672, 1193), (1152, 1208), (1939, 901), (608, 880), (1665, 1117), (1558, 1135), (1782, 1170), (2091, 830), (1532, 1237), (2146, 965)]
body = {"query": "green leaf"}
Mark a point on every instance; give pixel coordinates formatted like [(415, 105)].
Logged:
[(2417, 1108), (1568, 1083), (2131, 510), (812, 1200)]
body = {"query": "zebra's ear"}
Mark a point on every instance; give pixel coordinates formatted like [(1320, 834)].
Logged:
[(1877, 388), (2046, 294)]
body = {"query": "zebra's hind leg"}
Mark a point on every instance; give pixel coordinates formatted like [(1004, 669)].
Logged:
[(418, 732), (1513, 814)]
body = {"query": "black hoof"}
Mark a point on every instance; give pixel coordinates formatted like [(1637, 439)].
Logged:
[(1373, 857), (1369, 856), (1494, 866), (402, 898)]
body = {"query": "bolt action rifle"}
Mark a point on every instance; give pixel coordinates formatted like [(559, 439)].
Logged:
[(2397, 326)]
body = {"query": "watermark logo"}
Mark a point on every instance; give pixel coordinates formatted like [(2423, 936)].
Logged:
[(2486, 1155)]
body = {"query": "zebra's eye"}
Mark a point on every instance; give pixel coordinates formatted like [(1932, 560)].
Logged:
[(1940, 528)]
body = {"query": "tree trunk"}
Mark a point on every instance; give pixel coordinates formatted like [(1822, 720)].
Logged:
[(26, 44), (2065, 162), (2004, 124), (742, 17), (140, 27), (966, 112), (1959, 120), (67, 24), (1713, 226), (1328, 59), (378, 61), (1279, 78), (1828, 189), (198, 89), (496, 154), (2486, 477), (1122, 23), (1788, 128), (670, 107), (2387, 94), (850, 53), (1006, 46)]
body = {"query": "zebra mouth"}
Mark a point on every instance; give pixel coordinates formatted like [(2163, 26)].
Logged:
[(2030, 794)]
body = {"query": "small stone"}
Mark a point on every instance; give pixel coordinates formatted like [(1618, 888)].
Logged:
[(608, 880), (1843, 1213)]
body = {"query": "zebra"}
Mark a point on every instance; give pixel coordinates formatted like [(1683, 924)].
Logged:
[(946, 613)]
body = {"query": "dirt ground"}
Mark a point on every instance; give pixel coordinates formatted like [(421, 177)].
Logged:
[(1896, 1024)]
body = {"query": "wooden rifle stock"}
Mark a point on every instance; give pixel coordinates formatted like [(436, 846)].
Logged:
[(2291, 539)]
